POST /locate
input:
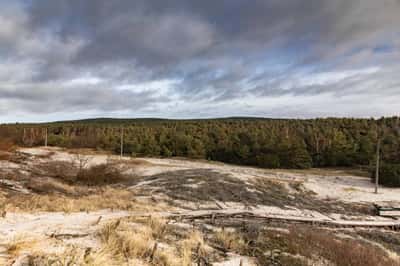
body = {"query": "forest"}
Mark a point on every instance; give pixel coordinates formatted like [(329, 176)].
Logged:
[(267, 143)]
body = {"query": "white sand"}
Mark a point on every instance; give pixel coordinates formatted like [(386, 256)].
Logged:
[(345, 188)]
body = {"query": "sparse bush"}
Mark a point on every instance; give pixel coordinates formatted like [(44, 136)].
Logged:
[(267, 161), (98, 175), (389, 175), (58, 140), (6, 145), (63, 170)]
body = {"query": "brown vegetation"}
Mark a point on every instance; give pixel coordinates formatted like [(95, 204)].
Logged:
[(99, 175), (6, 146), (71, 173), (124, 243), (101, 198), (300, 245)]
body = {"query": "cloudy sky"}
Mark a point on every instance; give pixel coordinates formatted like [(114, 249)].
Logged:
[(68, 59)]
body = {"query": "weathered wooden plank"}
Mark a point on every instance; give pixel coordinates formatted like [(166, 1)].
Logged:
[(391, 213)]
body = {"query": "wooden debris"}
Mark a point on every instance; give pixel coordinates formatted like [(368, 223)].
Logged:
[(97, 221)]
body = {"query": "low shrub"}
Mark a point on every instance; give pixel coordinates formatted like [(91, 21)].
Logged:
[(97, 175), (6, 145), (71, 173), (389, 174), (62, 170)]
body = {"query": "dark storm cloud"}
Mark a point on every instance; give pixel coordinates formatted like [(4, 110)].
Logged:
[(162, 32), (216, 51)]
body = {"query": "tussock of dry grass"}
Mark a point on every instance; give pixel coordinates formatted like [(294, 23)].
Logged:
[(18, 244), (144, 243), (231, 240), (193, 247)]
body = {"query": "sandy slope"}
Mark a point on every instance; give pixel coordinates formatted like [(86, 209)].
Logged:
[(53, 231), (346, 188)]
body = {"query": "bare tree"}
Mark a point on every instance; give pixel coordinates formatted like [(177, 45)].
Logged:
[(81, 160)]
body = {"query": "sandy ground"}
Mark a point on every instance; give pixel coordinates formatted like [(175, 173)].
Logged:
[(41, 232), (43, 227), (345, 188)]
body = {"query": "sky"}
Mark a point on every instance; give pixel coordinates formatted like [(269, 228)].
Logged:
[(71, 59)]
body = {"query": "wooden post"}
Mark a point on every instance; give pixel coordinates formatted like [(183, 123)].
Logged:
[(122, 142), (45, 137), (24, 137), (378, 151), (153, 251)]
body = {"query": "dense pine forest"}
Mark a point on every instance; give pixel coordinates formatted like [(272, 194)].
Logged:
[(268, 143)]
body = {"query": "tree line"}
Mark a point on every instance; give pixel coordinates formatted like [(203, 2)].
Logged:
[(268, 143)]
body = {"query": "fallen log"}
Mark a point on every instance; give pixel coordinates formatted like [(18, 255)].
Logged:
[(213, 215), (63, 236)]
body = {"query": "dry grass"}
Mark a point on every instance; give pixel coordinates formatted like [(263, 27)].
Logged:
[(6, 147), (71, 173), (103, 198), (340, 171), (144, 243), (18, 244), (301, 245), (5, 156), (137, 162), (99, 175), (121, 241), (349, 252), (73, 256), (193, 247), (62, 170), (231, 240)]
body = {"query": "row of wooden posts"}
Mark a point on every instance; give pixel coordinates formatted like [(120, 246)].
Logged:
[(46, 136)]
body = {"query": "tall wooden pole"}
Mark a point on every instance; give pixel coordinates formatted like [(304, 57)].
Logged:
[(45, 137), (24, 137), (122, 141), (378, 152)]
